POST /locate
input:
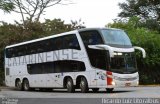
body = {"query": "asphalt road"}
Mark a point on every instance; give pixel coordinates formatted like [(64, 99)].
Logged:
[(58, 95)]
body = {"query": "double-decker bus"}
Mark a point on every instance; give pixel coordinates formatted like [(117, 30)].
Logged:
[(89, 58)]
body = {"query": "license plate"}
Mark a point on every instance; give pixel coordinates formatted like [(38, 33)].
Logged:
[(128, 84)]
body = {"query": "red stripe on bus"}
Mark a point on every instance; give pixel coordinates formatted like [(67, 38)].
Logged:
[(109, 80)]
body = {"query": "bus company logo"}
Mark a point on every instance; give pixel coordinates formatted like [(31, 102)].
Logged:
[(67, 54)]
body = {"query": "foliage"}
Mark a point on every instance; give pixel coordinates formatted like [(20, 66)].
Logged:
[(15, 33), (141, 8), (1, 78), (6, 5), (147, 10), (147, 39)]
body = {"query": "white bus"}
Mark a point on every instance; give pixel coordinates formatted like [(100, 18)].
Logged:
[(90, 58)]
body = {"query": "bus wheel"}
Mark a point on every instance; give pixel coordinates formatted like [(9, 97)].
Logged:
[(109, 89), (69, 85), (26, 86), (19, 85), (95, 89), (84, 85)]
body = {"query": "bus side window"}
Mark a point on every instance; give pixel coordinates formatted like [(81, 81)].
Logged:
[(71, 42), (48, 45), (74, 44), (21, 50), (33, 48), (41, 46), (58, 43), (91, 37), (14, 52), (9, 52), (68, 66)]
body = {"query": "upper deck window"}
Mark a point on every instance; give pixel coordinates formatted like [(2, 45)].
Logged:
[(91, 37), (69, 41)]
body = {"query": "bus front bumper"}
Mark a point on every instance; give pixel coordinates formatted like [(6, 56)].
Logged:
[(117, 83)]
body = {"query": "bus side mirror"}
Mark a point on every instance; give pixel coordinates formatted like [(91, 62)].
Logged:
[(141, 49), (103, 47)]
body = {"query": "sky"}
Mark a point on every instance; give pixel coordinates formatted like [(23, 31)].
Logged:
[(94, 13)]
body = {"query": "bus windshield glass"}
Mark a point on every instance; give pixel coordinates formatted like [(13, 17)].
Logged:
[(124, 63), (116, 38)]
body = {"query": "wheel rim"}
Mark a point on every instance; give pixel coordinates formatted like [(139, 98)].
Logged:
[(68, 84), (26, 86), (82, 84), (18, 84)]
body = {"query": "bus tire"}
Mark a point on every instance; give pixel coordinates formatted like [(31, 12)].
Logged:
[(70, 86), (84, 85), (26, 85), (109, 89), (95, 89), (19, 85)]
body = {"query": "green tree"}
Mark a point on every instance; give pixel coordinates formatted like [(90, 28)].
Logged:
[(6, 5), (147, 10), (142, 8), (58, 26)]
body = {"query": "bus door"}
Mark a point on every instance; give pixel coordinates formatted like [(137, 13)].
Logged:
[(37, 74), (58, 73), (58, 79), (7, 76)]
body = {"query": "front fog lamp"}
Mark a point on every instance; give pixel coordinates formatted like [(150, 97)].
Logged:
[(113, 83)]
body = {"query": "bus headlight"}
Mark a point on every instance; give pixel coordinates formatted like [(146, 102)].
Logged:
[(117, 53)]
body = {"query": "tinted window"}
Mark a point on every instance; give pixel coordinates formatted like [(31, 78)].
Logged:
[(56, 67), (9, 52), (63, 42), (40, 68), (98, 58), (70, 42), (69, 66), (91, 37), (58, 43)]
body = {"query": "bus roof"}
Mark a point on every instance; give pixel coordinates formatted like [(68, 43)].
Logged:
[(87, 29), (40, 39), (57, 35)]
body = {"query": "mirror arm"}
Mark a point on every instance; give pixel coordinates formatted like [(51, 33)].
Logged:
[(141, 49), (104, 47)]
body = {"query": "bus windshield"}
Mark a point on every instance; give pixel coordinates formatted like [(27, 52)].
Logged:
[(124, 63), (116, 38)]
